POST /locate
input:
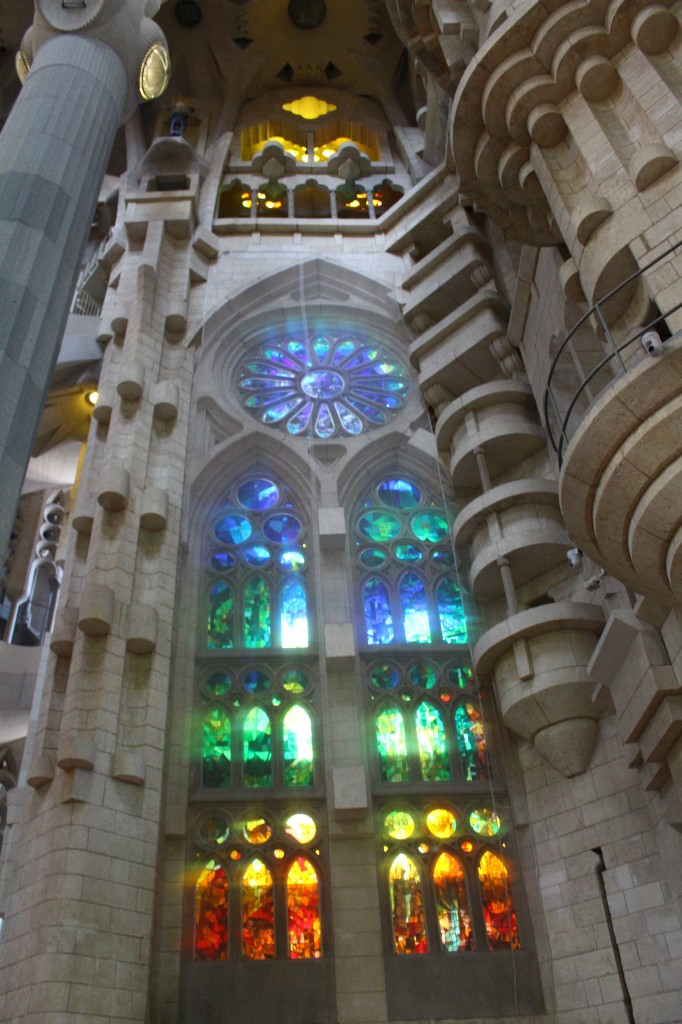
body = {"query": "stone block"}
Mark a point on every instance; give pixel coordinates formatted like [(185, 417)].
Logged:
[(332, 529), (339, 646), (349, 787), (142, 628), (97, 609), (114, 487), (154, 509)]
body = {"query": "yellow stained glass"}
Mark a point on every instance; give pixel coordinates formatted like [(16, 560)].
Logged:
[(441, 823), (303, 904), (258, 922), (498, 908), (409, 929), (309, 107)]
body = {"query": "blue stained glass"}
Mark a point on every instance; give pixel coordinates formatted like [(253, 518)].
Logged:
[(453, 624), (442, 557), (368, 411), (256, 682), (322, 384), (297, 348), (256, 554), (293, 560), (385, 677), (399, 494), (430, 526), (471, 742), (423, 675), (363, 358), (378, 618), (351, 423), (324, 424), (263, 400), (298, 423), (258, 495), (373, 558), (275, 355), (342, 351), (282, 529), (385, 384), (294, 616), (461, 677), (415, 610), (321, 347), (257, 383), (407, 553), (233, 529), (266, 370), (294, 681), (278, 412), (222, 560)]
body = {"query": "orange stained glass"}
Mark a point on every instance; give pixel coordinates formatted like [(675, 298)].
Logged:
[(441, 823), (454, 919), (210, 908), (498, 907), (303, 905), (409, 929), (258, 921)]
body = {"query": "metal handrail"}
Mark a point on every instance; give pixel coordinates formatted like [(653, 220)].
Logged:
[(615, 355)]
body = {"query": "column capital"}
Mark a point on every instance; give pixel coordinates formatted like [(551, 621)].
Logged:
[(125, 26)]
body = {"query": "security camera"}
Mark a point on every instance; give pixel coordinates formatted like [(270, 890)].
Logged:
[(575, 557), (652, 344)]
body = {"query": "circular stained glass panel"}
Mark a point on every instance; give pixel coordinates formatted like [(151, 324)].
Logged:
[(485, 822), (256, 682), (233, 529), (218, 683), (430, 526), (257, 831), (424, 676), (282, 528), (256, 554), (461, 677), (385, 677), (292, 560), (441, 823), (407, 553), (399, 494), (295, 681), (372, 558), (379, 526), (222, 561), (442, 558), (322, 387), (214, 831), (301, 827), (399, 824), (258, 495)]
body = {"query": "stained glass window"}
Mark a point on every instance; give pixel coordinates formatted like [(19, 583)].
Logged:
[(217, 754), (298, 747), (471, 742), (432, 742), (211, 910), (323, 385), (303, 905), (452, 906), (409, 929), (390, 738), (400, 527), (498, 908), (257, 749), (269, 607), (258, 918)]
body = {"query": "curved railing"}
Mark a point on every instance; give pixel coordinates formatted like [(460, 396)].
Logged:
[(561, 407)]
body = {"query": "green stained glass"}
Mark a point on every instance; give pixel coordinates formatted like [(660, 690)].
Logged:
[(453, 625), (295, 681), (258, 918), (257, 749), (430, 526), (399, 824), (385, 677), (292, 560), (409, 929), (485, 822), (432, 743), (216, 758), (423, 675), (210, 914), (391, 746), (378, 618), (407, 553), (443, 557), (256, 613), (471, 742), (379, 526), (372, 558), (220, 631), (461, 677), (294, 614), (452, 904), (218, 683), (415, 610), (298, 747), (214, 831), (256, 681)]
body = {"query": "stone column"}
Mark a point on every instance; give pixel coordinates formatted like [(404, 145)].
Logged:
[(54, 150)]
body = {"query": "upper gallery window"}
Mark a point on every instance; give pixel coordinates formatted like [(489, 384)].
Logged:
[(257, 557), (409, 592), (332, 384), (310, 146)]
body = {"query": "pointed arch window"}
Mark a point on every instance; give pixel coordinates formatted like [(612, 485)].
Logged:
[(303, 911), (409, 926)]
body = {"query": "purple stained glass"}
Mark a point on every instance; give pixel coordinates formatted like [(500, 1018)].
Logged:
[(298, 386), (400, 494), (222, 561), (256, 682), (258, 495), (378, 618), (282, 528)]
